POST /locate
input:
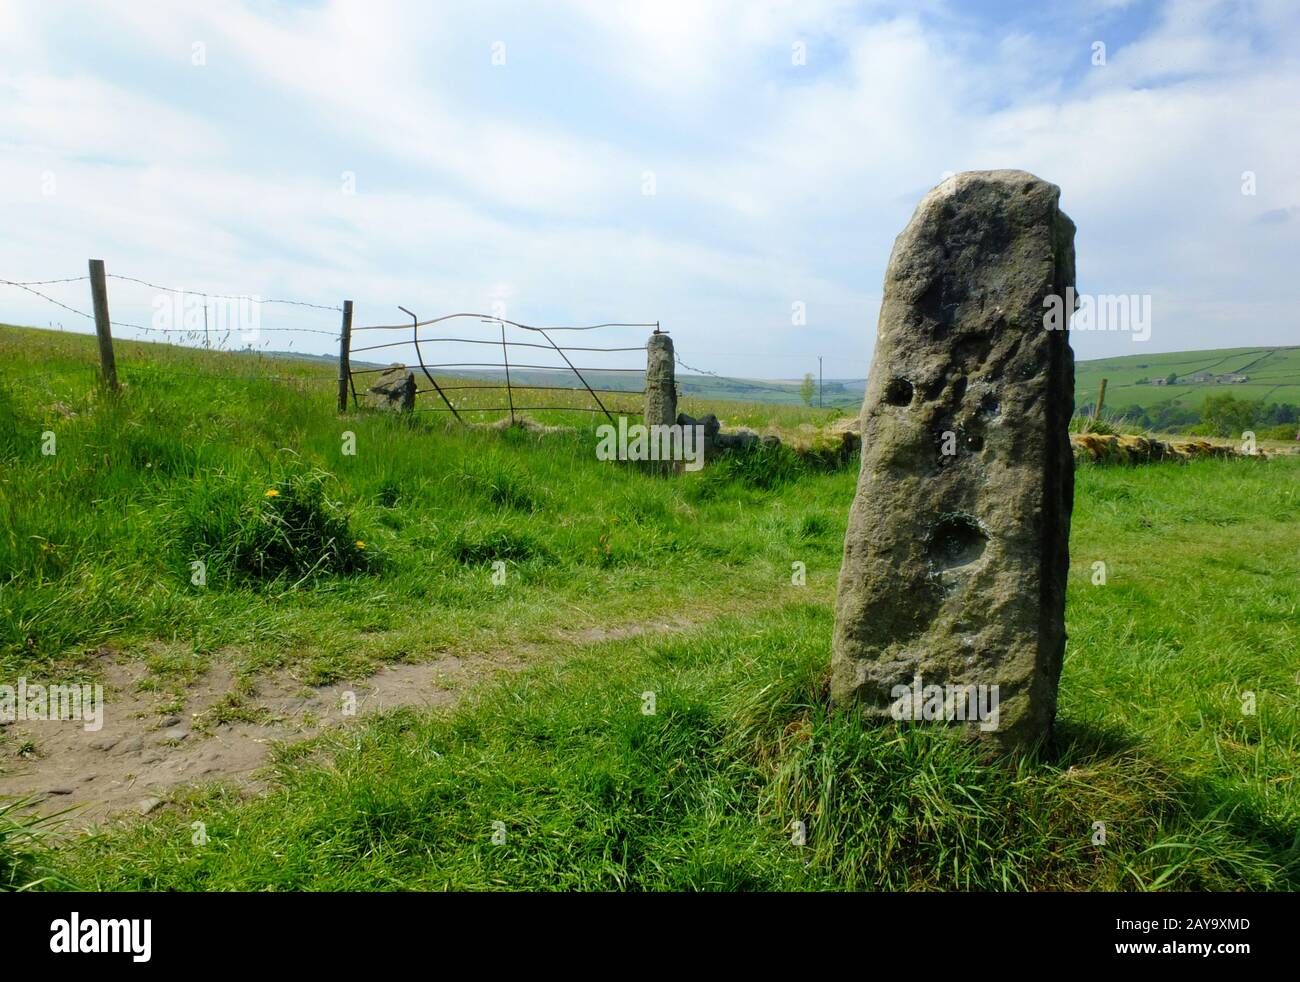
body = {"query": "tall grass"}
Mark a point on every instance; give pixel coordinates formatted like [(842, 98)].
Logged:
[(26, 859)]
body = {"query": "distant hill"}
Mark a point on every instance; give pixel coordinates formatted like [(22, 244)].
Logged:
[(835, 392), (1273, 375)]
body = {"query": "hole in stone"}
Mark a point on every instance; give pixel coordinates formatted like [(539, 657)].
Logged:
[(956, 541), (974, 441), (898, 392), (989, 406), (959, 390)]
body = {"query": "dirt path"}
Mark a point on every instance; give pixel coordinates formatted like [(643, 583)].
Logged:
[(141, 755)]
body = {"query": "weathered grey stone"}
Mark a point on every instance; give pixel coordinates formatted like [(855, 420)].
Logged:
[(394, 390), (711, 430), (744, 439), (955, 562), (660, 381), (717, 441), (848, 431)]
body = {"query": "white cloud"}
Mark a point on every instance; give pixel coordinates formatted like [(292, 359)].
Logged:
[(773, 186)]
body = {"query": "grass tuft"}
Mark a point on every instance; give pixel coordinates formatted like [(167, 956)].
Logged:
[(26, 859), (286, 533)]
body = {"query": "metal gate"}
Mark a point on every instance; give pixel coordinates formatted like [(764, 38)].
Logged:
[(458, 382)]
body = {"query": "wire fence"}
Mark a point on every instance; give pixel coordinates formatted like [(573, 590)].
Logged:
[(186, 318), (247, 333), (462, 357), (458, 364)]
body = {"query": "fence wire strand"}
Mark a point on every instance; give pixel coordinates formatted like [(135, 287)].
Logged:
[(57, 303), (219, 296), (27, 285)]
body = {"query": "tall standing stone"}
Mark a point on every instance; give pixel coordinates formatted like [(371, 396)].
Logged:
[(660, 381), (957, 548)]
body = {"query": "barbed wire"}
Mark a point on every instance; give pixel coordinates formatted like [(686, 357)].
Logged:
[(66, 279), (220, 296), (57, 303), (162, 330), (785, 390)]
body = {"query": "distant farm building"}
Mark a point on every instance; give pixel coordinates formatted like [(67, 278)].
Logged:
[(1208, 378), (1202, 378)]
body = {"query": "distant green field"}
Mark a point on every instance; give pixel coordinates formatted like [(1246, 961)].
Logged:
[(836, 393), (1274, 375)]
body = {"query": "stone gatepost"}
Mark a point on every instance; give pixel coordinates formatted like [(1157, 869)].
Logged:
[(660, 381), (956, 553)]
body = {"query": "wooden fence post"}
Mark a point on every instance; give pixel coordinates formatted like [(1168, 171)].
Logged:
[(103, 329), (345, 348), (1101, 401)]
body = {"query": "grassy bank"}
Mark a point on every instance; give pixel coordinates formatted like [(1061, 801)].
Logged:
[(1198, 618), (326, 561)]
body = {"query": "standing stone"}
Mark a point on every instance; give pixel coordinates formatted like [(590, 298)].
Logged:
[(660, 381), (957, 548), (394, 390)]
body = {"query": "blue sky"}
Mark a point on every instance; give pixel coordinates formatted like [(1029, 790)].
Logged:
[(523, 183)]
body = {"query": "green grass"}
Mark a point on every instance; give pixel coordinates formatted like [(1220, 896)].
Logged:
[(98, 541), (25, 857), (593, 793), (1201, 605)]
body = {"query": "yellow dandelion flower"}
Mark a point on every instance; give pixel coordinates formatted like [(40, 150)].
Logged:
[(360, 544), (272, 493)]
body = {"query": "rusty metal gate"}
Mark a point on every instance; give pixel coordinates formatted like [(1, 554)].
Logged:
[(440, 391)]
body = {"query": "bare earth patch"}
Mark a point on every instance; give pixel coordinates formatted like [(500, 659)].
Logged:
[(141, 754), (145, 750)]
